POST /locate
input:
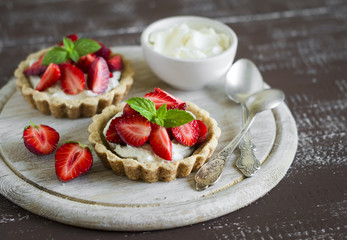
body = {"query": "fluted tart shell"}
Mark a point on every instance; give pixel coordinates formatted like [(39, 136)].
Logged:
[(70, 108), (165, 171)]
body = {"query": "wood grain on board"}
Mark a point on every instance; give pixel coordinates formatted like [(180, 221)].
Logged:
[(299, 46), (102, 200)]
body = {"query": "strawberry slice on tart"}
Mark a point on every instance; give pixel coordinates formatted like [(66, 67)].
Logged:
[(50, 77), (187, 134), (203, 130), (112, 134), (36, 68), (98, 75), (160, 98), (160, 142), (134, 130), (128, 111), (72, 79), (115, 63), (85, 62)]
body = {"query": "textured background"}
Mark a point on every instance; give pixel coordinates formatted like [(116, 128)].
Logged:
[(299, 46)]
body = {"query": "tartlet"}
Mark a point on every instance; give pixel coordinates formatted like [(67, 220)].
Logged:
[(71, 108), (165, 171)]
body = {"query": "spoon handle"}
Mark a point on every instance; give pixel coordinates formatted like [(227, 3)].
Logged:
[(247, 163), (211, 171)]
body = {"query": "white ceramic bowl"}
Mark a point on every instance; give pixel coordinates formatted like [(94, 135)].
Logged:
[(188, 74)]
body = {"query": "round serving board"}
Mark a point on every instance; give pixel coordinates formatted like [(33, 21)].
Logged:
[(102, 200)]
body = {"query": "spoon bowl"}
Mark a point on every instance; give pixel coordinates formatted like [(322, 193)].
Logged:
[(242, 80), (264, 100)]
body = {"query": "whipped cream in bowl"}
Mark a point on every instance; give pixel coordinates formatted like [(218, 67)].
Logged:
[(185, 42), (189, 52)]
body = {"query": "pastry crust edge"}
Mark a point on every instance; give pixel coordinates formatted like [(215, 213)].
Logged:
[(154, 171), (71, 108)]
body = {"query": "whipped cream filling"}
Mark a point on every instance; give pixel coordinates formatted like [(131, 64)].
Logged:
[(56, 90), (185, 42), (145, 153)]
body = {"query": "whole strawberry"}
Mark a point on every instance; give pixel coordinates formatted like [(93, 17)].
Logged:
[(40, 139), (72, 160)]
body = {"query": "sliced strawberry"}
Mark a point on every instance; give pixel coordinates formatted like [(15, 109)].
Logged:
[(187, 134), (49, 78), (36, 69), (73, 37), (160, 98), (128, 111), (169, 131), (160, 142), (72, 79), (98, 76), (111, 134), (104, 52), (202, 133), (115, 63), (181, 103), (72, 160), (40, 139), (134, 130), (85, 62)]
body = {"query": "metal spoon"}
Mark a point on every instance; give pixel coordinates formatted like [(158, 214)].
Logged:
[(211, 172), (242, 80)]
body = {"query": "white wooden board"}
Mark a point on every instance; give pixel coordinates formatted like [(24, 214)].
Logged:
[(102, 200)]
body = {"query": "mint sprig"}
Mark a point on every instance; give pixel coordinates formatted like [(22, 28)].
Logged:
[(162, 116), (71, 50)]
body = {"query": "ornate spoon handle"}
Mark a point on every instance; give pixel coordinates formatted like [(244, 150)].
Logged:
[(211, 171), (247, 163)]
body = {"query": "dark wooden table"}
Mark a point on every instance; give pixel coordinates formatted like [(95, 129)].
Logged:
[(299, 46)]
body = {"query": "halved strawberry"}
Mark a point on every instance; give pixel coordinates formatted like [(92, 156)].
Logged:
[(160, 97), (103, 52), (160, 142), (115, 63), (73, 37), (169, 131), (36, 69), (40, 139), (72, 79), (134, 130), (72, 160), (202, 133), (128, 111), (85, 62), (98, 76), (49, 78), (187, 134), (181, 103), (111, 134)]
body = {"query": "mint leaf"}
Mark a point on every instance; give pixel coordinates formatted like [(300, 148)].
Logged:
[(74, 55), (176, 117), (85, 46), (159, 121), (161, 112), (144, 106), (68, 44), (55, 55)]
